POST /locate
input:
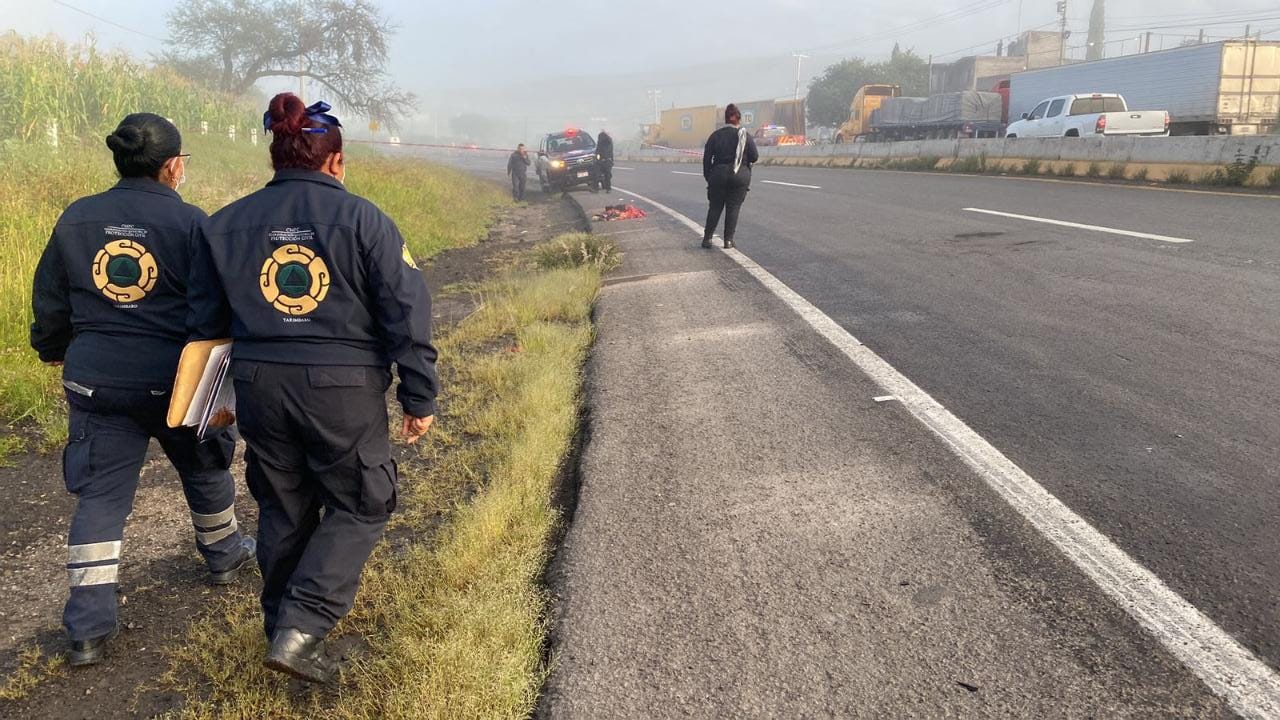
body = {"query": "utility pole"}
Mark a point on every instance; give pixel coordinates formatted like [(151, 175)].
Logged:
[(1201, 41), (800, 57), (1062, 33), (655, 96), (1149, 33)]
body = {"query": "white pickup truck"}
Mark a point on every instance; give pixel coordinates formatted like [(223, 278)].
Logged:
[(1096, 114)]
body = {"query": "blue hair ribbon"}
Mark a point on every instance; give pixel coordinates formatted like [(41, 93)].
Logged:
[(319, 112)]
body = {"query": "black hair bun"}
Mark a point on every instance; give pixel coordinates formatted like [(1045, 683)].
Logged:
[(126, 140)]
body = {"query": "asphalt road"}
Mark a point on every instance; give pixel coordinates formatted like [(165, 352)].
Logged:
[(1138, 380), (1134, 377)]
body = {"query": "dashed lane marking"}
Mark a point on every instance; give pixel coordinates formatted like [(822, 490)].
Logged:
[(794, 185), (1080, 226)]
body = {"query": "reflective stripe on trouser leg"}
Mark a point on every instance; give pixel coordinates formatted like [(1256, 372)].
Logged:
[(93, 564), (214, 527)]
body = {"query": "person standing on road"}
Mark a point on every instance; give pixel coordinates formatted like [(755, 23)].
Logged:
[(726, 164), (110, 305), (518, 169), (320, 295), (604, 151)]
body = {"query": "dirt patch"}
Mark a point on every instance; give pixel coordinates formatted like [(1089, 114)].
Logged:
[(162, 584), (451, 275)]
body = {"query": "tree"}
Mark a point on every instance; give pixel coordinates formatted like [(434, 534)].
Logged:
[(1097, 31), (831, 93), (340, 44)]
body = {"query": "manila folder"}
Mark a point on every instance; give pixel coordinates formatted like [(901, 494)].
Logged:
[(200, 362)]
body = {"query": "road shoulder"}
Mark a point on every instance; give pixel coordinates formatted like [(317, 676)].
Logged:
[(756, 535)]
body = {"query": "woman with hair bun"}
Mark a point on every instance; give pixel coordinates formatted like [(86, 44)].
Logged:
[(321, 296), (110, 305), (726, 165)]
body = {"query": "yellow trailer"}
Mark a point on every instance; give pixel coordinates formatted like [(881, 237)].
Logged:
[(687, 128)]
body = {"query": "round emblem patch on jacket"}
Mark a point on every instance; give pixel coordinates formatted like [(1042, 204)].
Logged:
[(124, 271), (294, 280)]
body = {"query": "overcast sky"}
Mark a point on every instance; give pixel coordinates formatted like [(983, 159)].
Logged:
[(498, 56)]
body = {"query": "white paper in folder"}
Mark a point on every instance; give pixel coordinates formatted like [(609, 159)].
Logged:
[(211, 381)]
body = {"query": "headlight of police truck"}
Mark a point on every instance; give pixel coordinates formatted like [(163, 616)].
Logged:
[(557, 164)]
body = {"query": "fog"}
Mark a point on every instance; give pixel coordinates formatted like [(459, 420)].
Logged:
[(540, 66)]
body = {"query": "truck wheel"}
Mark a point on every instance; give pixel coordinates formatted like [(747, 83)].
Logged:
[(1012, 136), (1072, 133), (595, 186)]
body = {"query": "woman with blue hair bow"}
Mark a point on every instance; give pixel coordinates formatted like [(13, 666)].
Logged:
[(321, 296)]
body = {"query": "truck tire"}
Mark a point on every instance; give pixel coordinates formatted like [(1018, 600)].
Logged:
[(1012, 136), (1072, 133)]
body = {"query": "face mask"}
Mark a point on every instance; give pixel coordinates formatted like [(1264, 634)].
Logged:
[(178, 183)]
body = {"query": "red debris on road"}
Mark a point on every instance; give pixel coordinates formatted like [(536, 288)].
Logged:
[(619, 212)]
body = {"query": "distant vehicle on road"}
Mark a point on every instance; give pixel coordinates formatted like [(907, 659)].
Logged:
[(1222, 88), (772, 135), (967, 114), (867, 100), (566, 159), (1096, 114)]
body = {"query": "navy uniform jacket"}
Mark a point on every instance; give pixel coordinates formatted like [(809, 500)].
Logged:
[(110, 292), (303, 272)]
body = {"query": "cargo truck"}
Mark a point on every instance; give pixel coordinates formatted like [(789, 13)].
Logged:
[(865, 101), (1222, 88), (686, 128), (968, 114)]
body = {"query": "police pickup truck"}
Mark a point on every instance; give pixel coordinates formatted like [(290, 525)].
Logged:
[(1097, 114), (566, 159)]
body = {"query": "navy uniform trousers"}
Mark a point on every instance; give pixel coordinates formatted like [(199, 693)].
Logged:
[(319, 465), (109, 432)]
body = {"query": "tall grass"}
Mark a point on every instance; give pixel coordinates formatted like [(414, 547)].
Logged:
[(87, 92), (453, 625)]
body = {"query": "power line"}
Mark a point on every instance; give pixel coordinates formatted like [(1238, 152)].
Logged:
[(112, 23), (944, 17)]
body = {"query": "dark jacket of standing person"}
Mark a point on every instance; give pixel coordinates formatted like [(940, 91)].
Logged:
[(321, 296), (726, 164), (604, 148), (110, 306), (518, 163)]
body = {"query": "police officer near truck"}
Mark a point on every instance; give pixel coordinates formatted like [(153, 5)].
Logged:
[(110, 307), (320, 295), (518, 170), (604, 154)]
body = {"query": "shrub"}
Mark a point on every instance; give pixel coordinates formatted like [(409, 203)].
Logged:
[(1118, 171), (577, 250), (1094, 171), (1068, 171), (971, 164), (1237, 174), (1273, 179), (1178, 177), (1141, 174), (1031, 167)]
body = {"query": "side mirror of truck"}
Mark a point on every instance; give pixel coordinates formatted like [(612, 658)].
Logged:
[(1025, 115)]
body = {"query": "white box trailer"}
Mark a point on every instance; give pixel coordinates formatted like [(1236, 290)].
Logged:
[(1222, 88)]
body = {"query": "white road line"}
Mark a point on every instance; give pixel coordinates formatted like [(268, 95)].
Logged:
[(681, 172), (1078, 226), (1226, 667), (622, 168), (795, 185)]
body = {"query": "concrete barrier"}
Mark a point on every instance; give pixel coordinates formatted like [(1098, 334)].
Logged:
[(1157, 159)]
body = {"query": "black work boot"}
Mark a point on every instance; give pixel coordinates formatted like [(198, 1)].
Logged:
[(301, 655), (706, 242), (248, 548), (89, 652), (728, 244)]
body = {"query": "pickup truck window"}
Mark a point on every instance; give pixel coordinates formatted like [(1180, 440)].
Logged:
[(1056, 108), (1038, 113), (570, 143), (1088, 106)]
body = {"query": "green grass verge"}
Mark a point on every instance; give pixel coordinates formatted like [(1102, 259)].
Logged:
[(435, 207), (453, 623)]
